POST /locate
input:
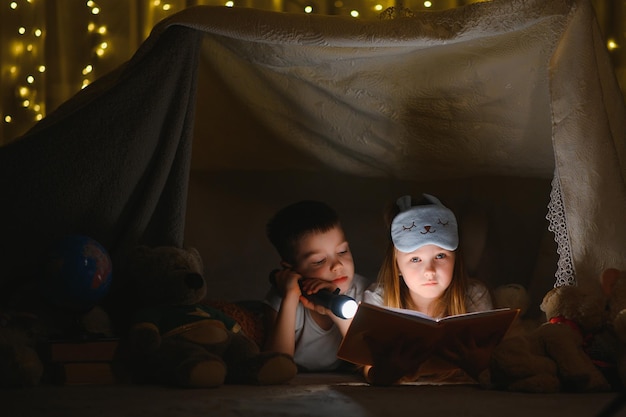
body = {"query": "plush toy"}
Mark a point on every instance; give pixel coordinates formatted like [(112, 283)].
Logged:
[(552, 357), (24, 332), (614, 285), (515, 296), (177, 339)]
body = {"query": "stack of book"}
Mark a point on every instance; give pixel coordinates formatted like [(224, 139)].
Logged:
[(71, 362)]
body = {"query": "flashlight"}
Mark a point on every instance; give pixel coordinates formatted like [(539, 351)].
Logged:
[(341, 305)]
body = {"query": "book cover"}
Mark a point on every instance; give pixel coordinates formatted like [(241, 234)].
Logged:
[(385, 326), (81, 373), (80, 350)]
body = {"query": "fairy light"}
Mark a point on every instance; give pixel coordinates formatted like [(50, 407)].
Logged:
[(229, 4), (23, 67), (611, 44), (428, 4), (354, 13), (308, 9)]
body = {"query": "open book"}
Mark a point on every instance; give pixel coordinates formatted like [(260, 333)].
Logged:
[(385, 326)]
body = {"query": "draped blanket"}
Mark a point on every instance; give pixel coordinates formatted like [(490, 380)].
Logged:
[(508, 87)]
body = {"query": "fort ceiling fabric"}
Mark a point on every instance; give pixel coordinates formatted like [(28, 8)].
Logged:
[(510, 87)]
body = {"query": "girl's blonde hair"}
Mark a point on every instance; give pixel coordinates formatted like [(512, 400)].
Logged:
[(396, 293)]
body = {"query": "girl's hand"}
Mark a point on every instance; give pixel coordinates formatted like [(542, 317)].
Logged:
[(392, 361), (465, 351)]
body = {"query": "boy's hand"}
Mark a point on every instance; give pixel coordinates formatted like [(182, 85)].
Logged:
[(310, 286), (286, 282)]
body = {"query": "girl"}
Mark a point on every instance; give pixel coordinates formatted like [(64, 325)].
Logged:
[(422, 271)]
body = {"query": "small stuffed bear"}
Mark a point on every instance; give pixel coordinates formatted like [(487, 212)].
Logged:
[(515, 296), (614, 286), (552, 357), (176, 339)]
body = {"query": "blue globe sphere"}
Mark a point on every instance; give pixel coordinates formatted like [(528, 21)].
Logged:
[(77, 273)]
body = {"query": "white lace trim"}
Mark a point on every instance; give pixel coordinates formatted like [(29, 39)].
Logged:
[(565, 274)]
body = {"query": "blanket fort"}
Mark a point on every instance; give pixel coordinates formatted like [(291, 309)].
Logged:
[(511, 87)]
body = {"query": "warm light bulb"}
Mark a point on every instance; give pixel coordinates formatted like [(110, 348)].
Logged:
[(308, 9), (8, 118), (167, 6), (354, 13), (428, 4), (41, 68), (378, 7), (21, 30), (30, 79), (91, 27), (102, 30), (95, 10), (229, 4), (38, 32), (611, 44), (13, 5)]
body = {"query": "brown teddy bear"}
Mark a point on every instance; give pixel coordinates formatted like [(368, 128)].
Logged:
[(614, 285), (177, 339), (515, 296), (552, 357)]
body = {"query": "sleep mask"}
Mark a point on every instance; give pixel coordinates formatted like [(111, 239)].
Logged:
[(429, 224)]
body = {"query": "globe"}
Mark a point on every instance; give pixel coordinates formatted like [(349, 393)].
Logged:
[(77, 273)]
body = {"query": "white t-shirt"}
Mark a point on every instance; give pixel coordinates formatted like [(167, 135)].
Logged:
[(477, 299), (316, 348)]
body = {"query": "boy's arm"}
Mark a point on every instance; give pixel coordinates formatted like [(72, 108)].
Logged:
[(281, 325)]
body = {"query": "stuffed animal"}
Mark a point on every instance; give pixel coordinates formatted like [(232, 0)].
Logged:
[(552, 357), (177, 339), (24, 333), (515, 296), (614, 286)]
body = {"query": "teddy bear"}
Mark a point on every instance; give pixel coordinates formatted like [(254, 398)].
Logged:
[(613, 283), (515, 296), (177, 339), (29, 323), (552, 357)]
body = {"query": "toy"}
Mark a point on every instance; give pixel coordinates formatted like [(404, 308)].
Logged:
[(552, 357), (177, 339), (24, 332), (515, 296), (614, 286)]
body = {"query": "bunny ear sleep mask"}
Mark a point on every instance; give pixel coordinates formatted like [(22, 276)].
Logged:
[(430, 224)]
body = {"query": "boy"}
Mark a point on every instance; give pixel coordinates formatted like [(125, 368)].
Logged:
[(314, 255)]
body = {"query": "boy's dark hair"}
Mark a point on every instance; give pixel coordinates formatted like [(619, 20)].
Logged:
[(296, 220)]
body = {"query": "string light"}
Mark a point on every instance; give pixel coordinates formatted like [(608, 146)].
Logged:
[(24, 67)]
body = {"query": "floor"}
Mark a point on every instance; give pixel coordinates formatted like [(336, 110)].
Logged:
[(323, 395)]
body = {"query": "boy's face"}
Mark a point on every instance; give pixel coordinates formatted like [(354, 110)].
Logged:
[(325, 256)]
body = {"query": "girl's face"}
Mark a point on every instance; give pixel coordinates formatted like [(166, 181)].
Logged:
[(326, 256), (427, 272)]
